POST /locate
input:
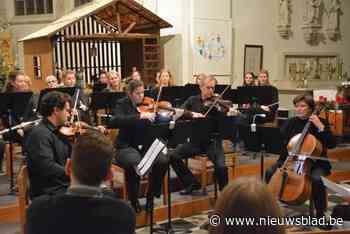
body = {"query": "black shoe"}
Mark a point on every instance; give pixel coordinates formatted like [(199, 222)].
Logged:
[(136, 205), (190, 189)]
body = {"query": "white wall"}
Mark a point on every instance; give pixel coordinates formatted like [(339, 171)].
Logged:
[(254, 22)]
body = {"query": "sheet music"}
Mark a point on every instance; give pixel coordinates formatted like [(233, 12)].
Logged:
[(342, 190), (150, 156), (148, 153)]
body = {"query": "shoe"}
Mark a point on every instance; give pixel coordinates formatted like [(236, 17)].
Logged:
[(190, 189), (136, 205)]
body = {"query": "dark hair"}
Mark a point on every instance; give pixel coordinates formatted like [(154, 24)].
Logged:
[(253, 77), (245, 199), (133, 85), (92, 158), (307, 98), (12, 78), (52, 100)]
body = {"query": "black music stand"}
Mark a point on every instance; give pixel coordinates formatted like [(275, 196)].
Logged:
[(67, 90), (13, 105), (264, 140), (98, 87), (174, 95)]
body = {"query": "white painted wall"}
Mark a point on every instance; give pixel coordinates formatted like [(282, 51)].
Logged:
[(254, 22)]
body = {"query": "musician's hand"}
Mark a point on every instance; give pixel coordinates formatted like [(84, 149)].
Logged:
[(317, 122), (265, 108), (147, 115), (101, 129), (197, 115), (20, 132)]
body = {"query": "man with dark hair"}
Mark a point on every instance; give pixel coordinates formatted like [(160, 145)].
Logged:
[(304, 108), (84, 208), (131, 123), (47, 151)]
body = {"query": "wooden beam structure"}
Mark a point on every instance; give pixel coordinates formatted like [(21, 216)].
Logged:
[(109, 37), (128, 29)]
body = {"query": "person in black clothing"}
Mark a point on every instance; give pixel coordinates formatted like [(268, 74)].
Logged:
[(2, 153), (342, 211), (131, 124), (47, 151), (213, 148), (83, 208), (304, 106)]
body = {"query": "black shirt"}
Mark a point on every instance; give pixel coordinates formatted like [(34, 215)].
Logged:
[(126, 117), (72, 213), (47, 153), (295, 126)]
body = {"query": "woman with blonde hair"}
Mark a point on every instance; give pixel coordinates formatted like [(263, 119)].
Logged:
[(114, 82), (263, 78), (248, 199)]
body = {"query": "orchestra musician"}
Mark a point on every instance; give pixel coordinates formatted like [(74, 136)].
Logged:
[(213, 149), (304, 107), (131, 123), (47, 150), (114, 82), (51, 82), (70, 80)]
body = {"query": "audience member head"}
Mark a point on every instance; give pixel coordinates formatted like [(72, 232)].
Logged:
[(70, 79), (247, 198), (248, 79), (51, 81), (135, 91), (91, 160), (114, 80), (55, 106), (16, 82), (263, 78), (207, 86)]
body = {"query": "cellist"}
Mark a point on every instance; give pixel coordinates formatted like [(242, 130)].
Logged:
[(304, 107)]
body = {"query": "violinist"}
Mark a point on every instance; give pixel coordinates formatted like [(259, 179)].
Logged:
[(70, 80), (304, 108), (271, 110), (213, 149), (47, 151), (131, 123)]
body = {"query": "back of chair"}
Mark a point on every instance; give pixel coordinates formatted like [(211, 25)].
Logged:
[(23, 195)]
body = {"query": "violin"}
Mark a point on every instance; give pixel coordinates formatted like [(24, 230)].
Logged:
[(218, 103), (162, 109)]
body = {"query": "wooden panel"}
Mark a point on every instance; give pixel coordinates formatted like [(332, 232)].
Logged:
[(9, 214), (41, 47)]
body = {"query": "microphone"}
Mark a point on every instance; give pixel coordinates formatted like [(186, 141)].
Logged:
[(253, 125)]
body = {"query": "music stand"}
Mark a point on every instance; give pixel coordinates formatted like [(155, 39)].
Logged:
[(66, 90), (98, 87), (14, 106), (174, 95), (264, 140)]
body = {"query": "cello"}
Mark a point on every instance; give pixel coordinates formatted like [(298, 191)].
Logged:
[(291, 182)]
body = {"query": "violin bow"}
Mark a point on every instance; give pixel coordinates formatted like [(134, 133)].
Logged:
[(158, 97), (216, 100), (75, 105)]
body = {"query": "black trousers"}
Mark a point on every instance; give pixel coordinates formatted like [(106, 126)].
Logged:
[(215, 153), (128, 158), (318, 190), (2, 152), (341, 211)]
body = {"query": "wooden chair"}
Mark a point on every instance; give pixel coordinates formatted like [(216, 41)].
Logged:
[(23, 196), (16, 154), (119, 181), (202, 165)]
